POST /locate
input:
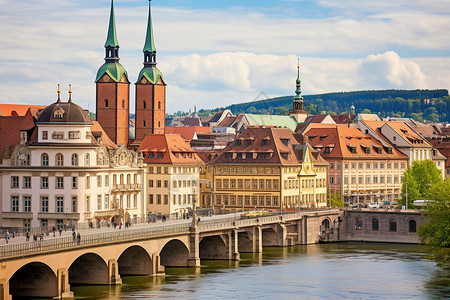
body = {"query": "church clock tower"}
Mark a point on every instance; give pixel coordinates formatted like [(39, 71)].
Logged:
[(150, 91), (297, 105), (113, 90)]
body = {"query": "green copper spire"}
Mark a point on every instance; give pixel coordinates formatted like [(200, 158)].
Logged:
[(111, 40), (298, 91), (149, 39)]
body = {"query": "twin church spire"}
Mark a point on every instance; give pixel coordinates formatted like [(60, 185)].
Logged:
[(113, 90)]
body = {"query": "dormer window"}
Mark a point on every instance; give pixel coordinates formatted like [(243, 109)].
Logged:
[(265, 142), (58, 135), (249, 142), (228, 155), (238, 142), (58, 114), (45, 135), (285, 155), (352, 149), (285, 141), (74, 135), (161, 155)]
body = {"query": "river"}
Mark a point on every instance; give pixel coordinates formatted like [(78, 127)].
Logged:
[(323, 271)]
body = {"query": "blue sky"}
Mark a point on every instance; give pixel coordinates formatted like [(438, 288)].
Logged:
[(214, 53)]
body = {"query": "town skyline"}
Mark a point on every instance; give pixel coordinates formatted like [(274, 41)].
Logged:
[(228, 52)]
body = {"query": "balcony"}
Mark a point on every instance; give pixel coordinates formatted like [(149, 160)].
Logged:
[(59, 216), (126, 187), (17, 215)]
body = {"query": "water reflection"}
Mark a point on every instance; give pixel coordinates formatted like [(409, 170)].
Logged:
[(376, 271)]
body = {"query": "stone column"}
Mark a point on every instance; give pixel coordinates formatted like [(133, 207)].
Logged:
[(235, 245), (282, 234), (194, 244), (4, 290), (113, 272), (257, 239), (64, 291), (158, 270), (299, 232)]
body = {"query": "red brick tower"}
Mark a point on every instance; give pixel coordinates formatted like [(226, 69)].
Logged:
[(113, 90), (150, 92)]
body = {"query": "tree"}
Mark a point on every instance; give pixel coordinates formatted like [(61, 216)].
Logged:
[(436, 232), (335, 200), (418, 179), (366, 111)]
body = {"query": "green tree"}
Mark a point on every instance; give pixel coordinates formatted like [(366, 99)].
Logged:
[(335, 200), (436, 232), (418, 179), (366, 111)]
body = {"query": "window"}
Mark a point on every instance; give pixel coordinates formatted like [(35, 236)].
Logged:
[(166, 183), (144, 124), (150, 199), (27, 182), (59, 182), (331, 179), (59, 204), (73, 135), (375, 224), (106, 202), (360, 166), (88, 182), (166, 200), (44, 204), (74, 159), (346, 166), (99, 180), (392, 226), (14, 181), (59, 160), (99, 202), (150, 183), (158, 183), (44, 222), (158, 199), (87, 160), (368, 180), (44, 159), (27, 204), (58, 135), (402, 166), (15, 203), (45, 135), (233, 183), (123, 103), (412, 226), (358, 224), (44, 182), (368, 166), (106, 180), (382, 166), (74, 204), (88, 203)]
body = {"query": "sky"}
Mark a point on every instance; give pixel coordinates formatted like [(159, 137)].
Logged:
[(215, 53)]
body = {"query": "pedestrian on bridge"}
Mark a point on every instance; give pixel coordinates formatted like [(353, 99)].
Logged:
[(78, 238), (28, 235), (7, 237), (74, 235)]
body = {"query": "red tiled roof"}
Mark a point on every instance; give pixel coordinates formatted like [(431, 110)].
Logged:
[(167, 149), (7, 110), (187, 132), (10, 128)]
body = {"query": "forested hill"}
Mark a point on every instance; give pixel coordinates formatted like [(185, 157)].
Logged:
[(421, 105)]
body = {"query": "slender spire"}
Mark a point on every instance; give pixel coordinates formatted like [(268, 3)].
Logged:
[(149, 46), (298, 90), (111, 40), (59, 93), (70, 93)]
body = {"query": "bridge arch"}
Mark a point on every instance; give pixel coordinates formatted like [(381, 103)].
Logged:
[(34, 279), (174, 254), (88, 269), (135, 260), (213, 247), (270, 237)]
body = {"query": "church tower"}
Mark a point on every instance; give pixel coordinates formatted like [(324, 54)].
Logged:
[(150, 91), (113, 90), (297, 105)]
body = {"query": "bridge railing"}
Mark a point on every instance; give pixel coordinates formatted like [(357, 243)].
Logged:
[(20, 249)]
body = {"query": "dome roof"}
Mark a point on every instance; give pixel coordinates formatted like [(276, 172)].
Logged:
[(152, 74), (64, 112), (115, 71)]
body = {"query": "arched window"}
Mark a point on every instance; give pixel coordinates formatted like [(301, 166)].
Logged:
[(128, 179), (159, 105), (123, 103), (375, 224), (159, 124), (145, 104), (114, 179), (412, 226), (106, 102), (59, 160), (358, 223), (74, 159), (121, 178), (135, 179), (87, 160), (325, 225), (44, 159), (145, 123), (392, 225)]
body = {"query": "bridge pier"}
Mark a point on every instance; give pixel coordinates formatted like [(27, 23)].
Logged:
[(194, 259), (4, 290), (157, 268), (233, 239), (113, 272), (64, 291), (257, 239)]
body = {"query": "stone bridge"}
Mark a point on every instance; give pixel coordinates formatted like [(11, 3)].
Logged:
[(47, 269)]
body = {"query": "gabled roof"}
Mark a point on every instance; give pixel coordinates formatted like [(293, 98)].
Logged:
[(96, 127), (401, 128), (341, 141), (10, 128), (262, 145), (343, 119), (187, 132), (167, 149), (273, 120), (18, 109)]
